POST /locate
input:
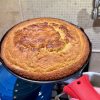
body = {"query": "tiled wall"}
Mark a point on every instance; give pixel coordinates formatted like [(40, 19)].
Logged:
[(75, 11)]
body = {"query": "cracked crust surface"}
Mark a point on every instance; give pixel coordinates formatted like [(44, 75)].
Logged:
[(44, 49)]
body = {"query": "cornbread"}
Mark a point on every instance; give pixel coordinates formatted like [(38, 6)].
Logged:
[(44, 49)]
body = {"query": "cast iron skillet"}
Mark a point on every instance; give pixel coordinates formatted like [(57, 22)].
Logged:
[(78, 88), (74, 75)]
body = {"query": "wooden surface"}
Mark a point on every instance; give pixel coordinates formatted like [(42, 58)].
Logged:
[(75, 11)]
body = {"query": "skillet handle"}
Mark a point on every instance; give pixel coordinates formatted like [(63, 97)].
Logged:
[(81, 89)]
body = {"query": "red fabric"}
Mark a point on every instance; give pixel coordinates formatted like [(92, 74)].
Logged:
[(97, 89)]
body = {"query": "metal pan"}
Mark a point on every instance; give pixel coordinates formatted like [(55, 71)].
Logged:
[(72, 76)]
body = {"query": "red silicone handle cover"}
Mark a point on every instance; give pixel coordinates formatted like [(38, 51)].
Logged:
[(82, 89)]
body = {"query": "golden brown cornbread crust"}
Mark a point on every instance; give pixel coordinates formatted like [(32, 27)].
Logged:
[(45, 49)]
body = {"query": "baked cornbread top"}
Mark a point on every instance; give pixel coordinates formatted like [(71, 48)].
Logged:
[(45, 49)]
